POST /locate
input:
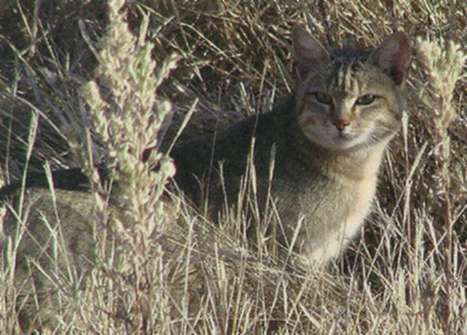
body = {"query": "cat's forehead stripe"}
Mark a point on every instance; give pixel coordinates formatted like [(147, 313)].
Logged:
[(345, 79)]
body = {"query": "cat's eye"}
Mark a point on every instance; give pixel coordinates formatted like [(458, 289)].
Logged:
[(323, 98), (365, 99)]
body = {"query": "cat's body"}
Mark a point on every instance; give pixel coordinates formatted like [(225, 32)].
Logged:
[(331, 192), (54, 249), (317, 155)]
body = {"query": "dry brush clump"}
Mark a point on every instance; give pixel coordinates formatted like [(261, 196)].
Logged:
[(405, 274)]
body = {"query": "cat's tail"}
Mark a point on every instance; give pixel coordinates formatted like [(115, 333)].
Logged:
[(73, 179)]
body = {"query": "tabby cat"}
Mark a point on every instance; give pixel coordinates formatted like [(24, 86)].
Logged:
[(326, 142)]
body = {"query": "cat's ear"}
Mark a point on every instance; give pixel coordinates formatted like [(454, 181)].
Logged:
[(393, 57), (308, 52)]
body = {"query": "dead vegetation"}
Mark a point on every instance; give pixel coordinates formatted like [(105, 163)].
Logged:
[(406, 274)]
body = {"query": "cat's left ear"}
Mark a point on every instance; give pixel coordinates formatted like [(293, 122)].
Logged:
[(393, 57), (308, 52)]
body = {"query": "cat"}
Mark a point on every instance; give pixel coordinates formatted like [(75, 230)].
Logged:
[(315, 158), (327, 143)]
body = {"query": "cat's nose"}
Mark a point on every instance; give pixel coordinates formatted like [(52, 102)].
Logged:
[(341, 124)]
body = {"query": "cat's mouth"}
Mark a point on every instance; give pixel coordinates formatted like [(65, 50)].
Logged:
[(333, 139), (346, 140), (343, 135)]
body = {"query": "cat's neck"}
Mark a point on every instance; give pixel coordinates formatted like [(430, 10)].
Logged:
[(355, 165)]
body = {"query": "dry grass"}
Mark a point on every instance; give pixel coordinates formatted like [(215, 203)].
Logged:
[(405, 274)]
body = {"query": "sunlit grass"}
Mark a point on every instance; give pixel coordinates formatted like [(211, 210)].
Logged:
[(403, 275)]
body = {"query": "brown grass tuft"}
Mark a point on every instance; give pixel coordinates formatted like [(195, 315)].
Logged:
[(406, 274)]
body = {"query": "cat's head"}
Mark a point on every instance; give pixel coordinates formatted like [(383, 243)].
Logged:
[(349, 99)]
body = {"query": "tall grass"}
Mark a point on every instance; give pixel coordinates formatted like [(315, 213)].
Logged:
[(178, 273)]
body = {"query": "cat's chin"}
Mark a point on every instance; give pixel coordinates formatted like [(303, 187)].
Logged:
[(333, 140)]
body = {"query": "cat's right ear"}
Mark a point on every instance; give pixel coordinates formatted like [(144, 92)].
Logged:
[(308, 52), (393, 57)]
